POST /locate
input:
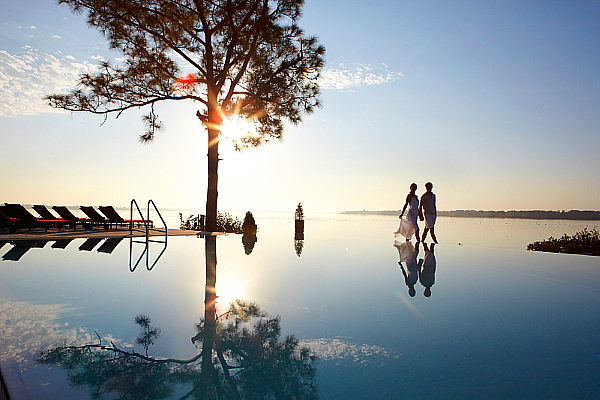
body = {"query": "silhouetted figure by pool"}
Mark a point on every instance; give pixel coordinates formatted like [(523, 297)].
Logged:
[(408, 255), (427, 273)]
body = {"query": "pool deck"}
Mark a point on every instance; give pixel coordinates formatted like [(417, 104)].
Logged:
[(55, 234)]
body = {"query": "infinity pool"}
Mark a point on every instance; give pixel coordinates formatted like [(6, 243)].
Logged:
[(498, 323)]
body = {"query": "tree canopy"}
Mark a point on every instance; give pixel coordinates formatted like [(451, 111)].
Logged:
[(246, 58), (247, 359)]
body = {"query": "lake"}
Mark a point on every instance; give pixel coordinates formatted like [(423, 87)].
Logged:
[(498, 321)]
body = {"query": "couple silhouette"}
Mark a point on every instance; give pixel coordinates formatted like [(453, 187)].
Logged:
[(422, 271), (425, 209)]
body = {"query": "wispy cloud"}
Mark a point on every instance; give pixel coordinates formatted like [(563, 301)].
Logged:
[(28, 328), (25, 79), (342, 351), (350, 76)]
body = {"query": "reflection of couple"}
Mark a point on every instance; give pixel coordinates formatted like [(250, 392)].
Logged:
[(422, 271), (425, 210)]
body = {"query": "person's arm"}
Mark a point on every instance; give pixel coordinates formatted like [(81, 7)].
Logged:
[(403, 271), (404, 208)]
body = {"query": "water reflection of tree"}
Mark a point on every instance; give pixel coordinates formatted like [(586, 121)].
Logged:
[(242, 356), (299, 241), (298, 246)]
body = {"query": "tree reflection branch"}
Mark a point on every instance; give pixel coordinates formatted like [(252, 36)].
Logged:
[(242, 356)]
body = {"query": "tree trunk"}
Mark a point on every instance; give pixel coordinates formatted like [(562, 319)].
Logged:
[(213, 180), (210, 314)]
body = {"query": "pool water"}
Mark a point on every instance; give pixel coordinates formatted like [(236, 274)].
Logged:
[(499, 323)]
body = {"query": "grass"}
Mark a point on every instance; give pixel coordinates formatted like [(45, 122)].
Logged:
[(584, 242)]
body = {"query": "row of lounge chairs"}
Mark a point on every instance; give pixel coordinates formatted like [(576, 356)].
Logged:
[(20, 247), (15, 216)]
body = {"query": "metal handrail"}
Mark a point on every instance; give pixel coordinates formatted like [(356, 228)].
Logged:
[(131, 241), (149, 268), (131, 229), (151, 202), (146, 242)]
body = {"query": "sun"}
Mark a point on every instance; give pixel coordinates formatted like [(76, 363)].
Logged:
[(236, 128)]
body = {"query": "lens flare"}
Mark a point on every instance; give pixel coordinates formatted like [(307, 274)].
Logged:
[(185, 84)]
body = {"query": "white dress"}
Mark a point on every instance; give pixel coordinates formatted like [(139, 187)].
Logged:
[(408, 223), (408, 255)]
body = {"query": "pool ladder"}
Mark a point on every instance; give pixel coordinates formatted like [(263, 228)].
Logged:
[(148, 226)]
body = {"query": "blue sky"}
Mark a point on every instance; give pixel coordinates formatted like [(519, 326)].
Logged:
[(495, 102)]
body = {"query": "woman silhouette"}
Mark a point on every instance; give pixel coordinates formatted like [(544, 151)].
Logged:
[(408, 225)]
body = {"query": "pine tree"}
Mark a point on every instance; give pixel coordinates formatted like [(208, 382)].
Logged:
[(234, 58)]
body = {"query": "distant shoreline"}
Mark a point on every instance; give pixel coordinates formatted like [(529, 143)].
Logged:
[(576, 215)]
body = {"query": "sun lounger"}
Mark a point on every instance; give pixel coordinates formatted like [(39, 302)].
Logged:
[(109, 245), (8, 222), (89, 244), (113, 216), (61, 243), (21, 247), (95, 216), (44, 213), (26, 218), (67, 215)]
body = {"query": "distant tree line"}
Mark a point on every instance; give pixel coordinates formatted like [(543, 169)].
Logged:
[(532, 214)]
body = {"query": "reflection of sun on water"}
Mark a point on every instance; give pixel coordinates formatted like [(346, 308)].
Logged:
[(228, 291)]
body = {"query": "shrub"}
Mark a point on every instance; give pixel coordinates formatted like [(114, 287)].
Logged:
[(584, 242), (193, 222), (249, 219), (299, 212), (225, 223)]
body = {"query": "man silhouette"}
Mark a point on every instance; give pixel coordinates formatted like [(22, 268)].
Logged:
[(428, 211)]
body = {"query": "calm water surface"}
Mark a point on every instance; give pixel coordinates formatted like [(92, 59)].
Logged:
[(500, 322)]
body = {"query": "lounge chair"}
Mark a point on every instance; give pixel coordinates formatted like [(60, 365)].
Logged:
[(67, 215), (21, 247), (61, 243), (8, 222), (89, 244), (95, 216), (113, 216), (109, 245), (44, 213), (28, 219)]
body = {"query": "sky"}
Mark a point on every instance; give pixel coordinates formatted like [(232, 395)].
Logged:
[(497, 103)]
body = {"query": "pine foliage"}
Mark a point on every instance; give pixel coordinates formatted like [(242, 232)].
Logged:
[(241, 57)]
